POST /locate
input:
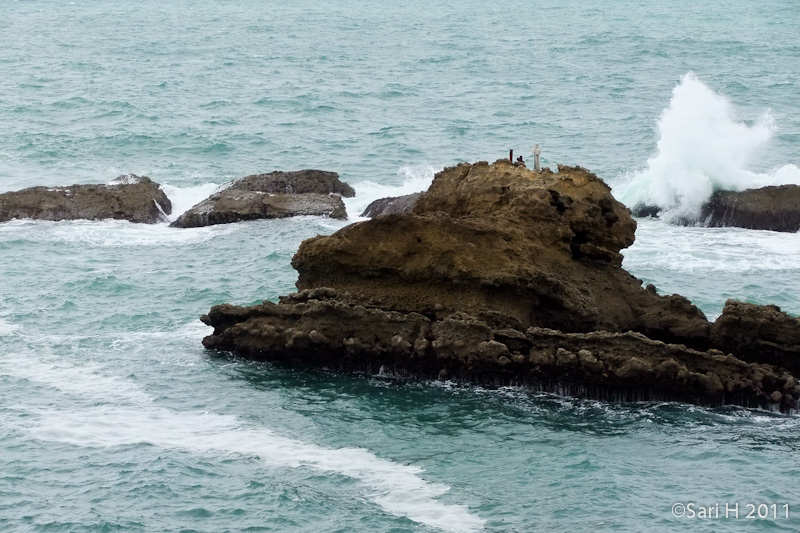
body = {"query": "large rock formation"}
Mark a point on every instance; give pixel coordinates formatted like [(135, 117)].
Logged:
[(129, 197), (775, 208), (500, 273), (767, 208), (539, 248), (273, 195)]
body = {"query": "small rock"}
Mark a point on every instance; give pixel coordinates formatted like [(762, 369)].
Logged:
[(589, 361), (317, 338), (421, 346), (633, 368), (493, 349), (565, 357), (714, 384), (398, 342)]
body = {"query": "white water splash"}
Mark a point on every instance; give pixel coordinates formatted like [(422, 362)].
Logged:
[(413, 179), (183, 198), (123, 414), (701, 149)]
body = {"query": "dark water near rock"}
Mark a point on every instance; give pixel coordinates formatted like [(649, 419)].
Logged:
[(113, 417)]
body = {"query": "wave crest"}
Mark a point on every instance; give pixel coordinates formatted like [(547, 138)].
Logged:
[(702, 149)]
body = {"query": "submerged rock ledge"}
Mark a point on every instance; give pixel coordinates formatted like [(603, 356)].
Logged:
[(504, 274), (320, 327)]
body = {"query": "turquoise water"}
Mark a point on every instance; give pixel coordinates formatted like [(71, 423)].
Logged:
[(113, 417)]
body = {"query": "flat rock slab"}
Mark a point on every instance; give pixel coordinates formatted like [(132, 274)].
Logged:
[(130, 197), (272, 195), (234, 205)]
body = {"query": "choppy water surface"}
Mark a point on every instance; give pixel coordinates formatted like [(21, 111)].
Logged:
[(113, 417)]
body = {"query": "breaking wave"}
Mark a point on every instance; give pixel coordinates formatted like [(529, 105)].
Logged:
[(702, 148)]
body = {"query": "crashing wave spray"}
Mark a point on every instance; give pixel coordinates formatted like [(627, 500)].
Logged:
[(701, 149), (183, 198), (414, 179)]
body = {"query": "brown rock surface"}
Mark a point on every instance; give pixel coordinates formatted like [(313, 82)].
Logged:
[(129, 197), (540, 248), (273, 195), (760, 333)]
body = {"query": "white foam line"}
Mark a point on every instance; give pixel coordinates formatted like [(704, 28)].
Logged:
[(130, 417), (87, 380)]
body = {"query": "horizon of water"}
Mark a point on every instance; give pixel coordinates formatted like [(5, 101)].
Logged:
[(113, 416)]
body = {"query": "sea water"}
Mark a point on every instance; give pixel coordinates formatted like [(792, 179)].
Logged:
[(114, 418)]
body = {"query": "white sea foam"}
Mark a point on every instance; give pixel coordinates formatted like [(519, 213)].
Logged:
[(112, 233), (727, 251), (123, 414), (183, 198), (413, 179), (701, 149), (85, 380), (6, 328)]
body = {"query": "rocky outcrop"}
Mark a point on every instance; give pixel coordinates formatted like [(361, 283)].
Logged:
[(761, 333), (775, 208), (392, 206), (499, 272), (128, 197), (767, 208), (273, 195), (324, 327), (542, 249)]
